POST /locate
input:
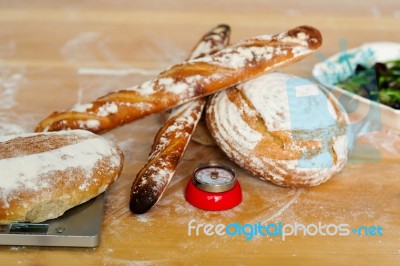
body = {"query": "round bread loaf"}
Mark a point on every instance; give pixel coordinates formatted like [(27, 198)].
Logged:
[(281, 128), (44, 174)]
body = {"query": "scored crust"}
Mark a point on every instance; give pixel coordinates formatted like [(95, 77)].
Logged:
[(43, 175), (189, 80), (252, 124)]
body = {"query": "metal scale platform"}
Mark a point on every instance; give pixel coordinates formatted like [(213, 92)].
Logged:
[(78, 227)]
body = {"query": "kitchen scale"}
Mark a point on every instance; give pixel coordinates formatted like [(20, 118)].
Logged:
[(77, 227)]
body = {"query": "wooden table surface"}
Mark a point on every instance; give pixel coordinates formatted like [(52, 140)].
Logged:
[(54, 54)]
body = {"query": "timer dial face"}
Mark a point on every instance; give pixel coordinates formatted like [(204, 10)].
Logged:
[(214, 178)]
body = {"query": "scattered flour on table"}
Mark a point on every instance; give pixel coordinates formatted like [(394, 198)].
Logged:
[(387, 140), (14, 124), (9, 85), (11, 122), (375, 11), (7, 48), (80, 49), (117, 72), (292, 12)]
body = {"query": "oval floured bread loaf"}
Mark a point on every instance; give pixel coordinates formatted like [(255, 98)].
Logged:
[(282, 129), (44, 174)]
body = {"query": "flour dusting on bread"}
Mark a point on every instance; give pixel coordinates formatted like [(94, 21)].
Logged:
[(67, 167), (290, 135)]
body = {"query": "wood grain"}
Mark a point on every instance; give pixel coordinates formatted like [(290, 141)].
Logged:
[(56, 54)]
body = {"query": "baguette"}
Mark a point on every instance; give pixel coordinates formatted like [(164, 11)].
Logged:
[(189, 80), (173, 137)]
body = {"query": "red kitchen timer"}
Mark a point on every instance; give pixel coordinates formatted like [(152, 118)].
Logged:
[(213, 188)]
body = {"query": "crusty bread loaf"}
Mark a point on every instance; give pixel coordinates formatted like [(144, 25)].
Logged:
[(43, 175), (189, 80), (173, 137), (281, 128), (201, 134)]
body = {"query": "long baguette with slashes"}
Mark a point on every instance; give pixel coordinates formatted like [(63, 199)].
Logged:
[(173, 137), (189, 80)]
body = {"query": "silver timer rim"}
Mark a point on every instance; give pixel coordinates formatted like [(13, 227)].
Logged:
[(214, 188)]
